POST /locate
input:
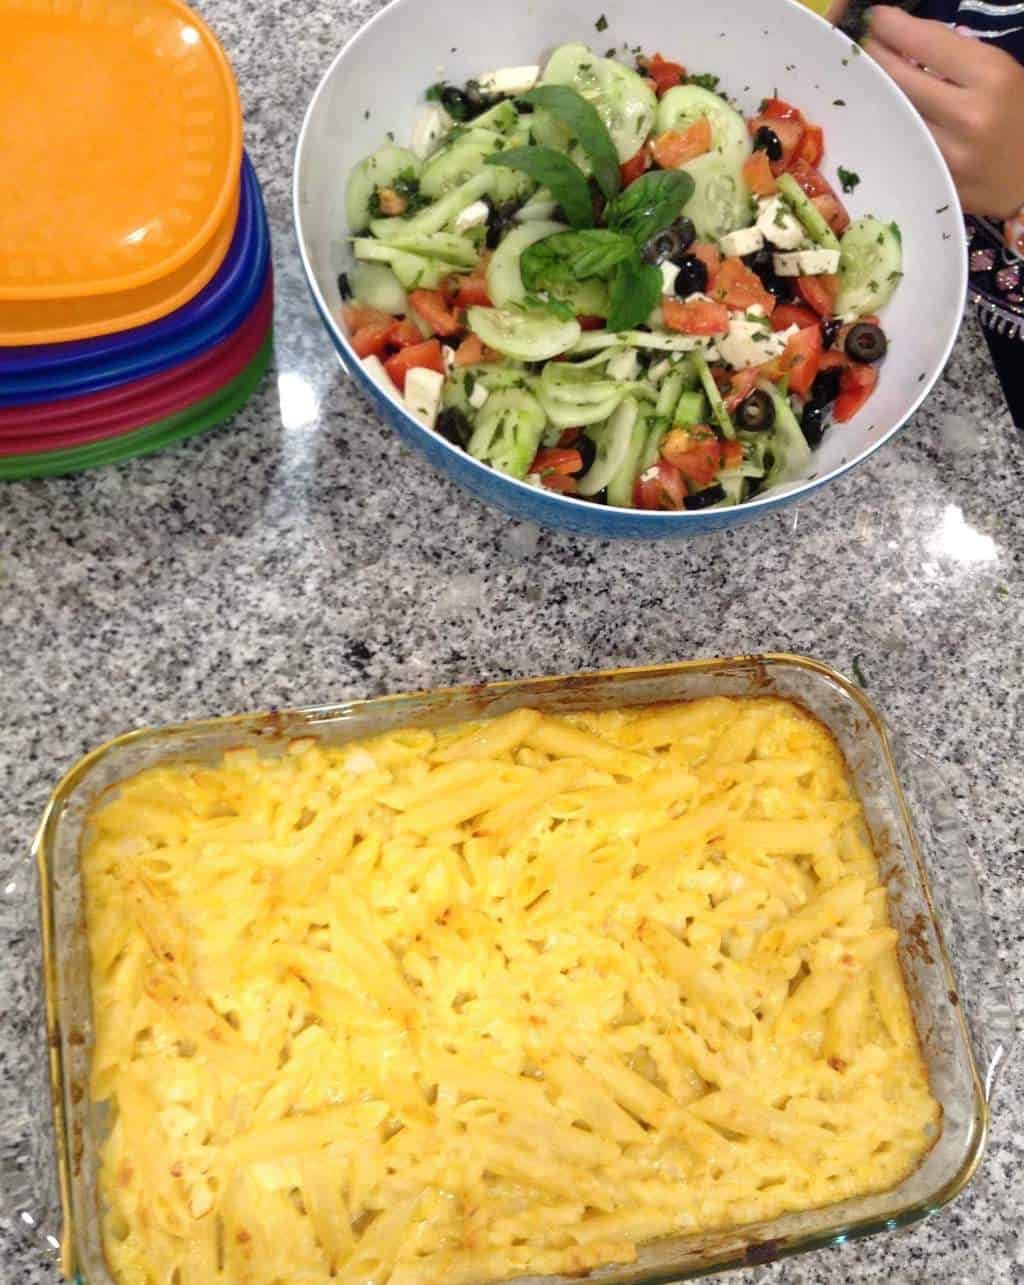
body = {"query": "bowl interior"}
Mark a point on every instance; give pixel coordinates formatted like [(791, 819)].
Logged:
[(870, 129)]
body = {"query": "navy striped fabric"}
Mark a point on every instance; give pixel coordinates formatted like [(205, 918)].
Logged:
[(999, 22)]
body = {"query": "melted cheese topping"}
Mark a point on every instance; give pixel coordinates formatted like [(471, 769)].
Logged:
[(503, 999)]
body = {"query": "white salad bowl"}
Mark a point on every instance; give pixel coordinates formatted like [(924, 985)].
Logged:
[(376, 84)]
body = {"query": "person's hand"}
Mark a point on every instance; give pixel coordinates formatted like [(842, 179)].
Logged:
[(972, 98)]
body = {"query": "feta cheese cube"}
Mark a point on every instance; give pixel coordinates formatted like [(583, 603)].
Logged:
[(742, 241), (779, 225), (806, 263), (478, 396), (624, 365), (431, 125), (423, 394), (473, 216), (749, 343), (509, 80), (669, 272), (374, 367), (649, 475)]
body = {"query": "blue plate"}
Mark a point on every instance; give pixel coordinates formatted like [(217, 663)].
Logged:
[(52, 372)]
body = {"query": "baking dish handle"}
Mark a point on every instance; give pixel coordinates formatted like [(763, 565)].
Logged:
[(953, 876), (29, 1195)]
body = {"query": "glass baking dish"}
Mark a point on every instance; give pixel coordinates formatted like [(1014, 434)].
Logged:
[(963, 1014)]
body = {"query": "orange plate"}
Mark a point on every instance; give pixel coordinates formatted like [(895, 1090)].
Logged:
[(122, 141), (54, 321)]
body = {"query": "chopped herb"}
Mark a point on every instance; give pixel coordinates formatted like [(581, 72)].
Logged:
[(391, 136), (921, 377), (858, 673), (848, 179), (610, 53), (434, 92), (544, 303), (894, 228), (1002, 591), (846, 62), (872, 285), (705, 80), (602, 23), (469, 383), (366, 114), (894, 277), (344, 285), (946, 236), (942, 208), (838, 102), (855, 50)]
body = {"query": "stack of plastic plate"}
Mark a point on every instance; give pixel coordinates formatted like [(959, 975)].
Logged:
[(136, 294)]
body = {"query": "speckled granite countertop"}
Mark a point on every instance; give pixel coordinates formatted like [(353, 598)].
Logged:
[(302, 555)]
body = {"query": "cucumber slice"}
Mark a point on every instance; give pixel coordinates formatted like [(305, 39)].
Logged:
[(453, 165), (691, 408), (870, 267), (379, 170), (715, 400), (542, 205), (669, 394), (502, 117), (788, 446), (508, 431), (504, 284), (622, 100), (683, 106), (574, 394), (454, 250), (376, 285), (414, 272), (656, 340), (440, 214), (461, 382), (620, 488), (799, 202), (528, 336), (613, 443), (721, 200)]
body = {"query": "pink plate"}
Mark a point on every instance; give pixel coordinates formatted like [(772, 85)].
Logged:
[(141, 401)]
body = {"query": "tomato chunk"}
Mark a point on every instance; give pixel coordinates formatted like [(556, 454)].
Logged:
[(556, 459), (696, 452), (709, 256), (432, 306), (357, 315), (471, 291), (591, 323), (665, 490), (819, 293), (740, 385), (779, 109), (700, 317), (672, 149), (790, 134), (833, 211), (801, 361), (856, 384), (732, 454), (666, 75), (559, 482), (427, 354), (471, 352), (758, 176), (812, 145), (793, 314), (738, 287), (373, 340), (638, 164), (404, 334)]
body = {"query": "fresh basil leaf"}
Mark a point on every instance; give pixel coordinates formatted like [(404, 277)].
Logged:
[(564, 180), (649, 204), (636, 289), (568, 257), (581, 117)]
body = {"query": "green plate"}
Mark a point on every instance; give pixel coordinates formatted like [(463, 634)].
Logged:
[(204, 415)]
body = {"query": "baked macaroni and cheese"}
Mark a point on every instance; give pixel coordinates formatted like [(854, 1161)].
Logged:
[(501, 999)]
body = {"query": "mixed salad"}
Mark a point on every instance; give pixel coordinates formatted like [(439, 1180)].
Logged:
[(606, 282)]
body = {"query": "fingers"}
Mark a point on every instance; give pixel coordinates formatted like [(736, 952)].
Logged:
[(937, 100), (934, 45)]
